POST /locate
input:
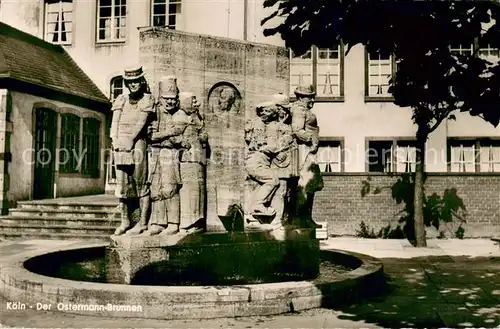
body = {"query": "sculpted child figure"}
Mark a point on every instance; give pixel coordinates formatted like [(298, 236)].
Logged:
[(167, 141), (192, 167), (131, 115), (268, 140)]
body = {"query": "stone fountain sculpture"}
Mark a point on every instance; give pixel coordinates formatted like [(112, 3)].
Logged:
[(170, 176), (167, 144), (170, 179), (192, 167), (269, 163), (281, 162), (306, 131), (132, 113)]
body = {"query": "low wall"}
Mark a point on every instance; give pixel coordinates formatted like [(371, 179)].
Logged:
[(341, 204)]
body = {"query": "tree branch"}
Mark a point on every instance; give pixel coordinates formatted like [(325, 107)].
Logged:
[(439, 119)]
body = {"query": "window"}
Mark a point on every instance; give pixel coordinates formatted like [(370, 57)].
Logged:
[(489, 53), (322, 68), (391, 156), (465, 50), (58, 21), (110, 169), (485, 51), (473, 155), (70, 144), (329, 156), (91, 147), (380, 68), (166, 13), (111, 20), (116, 87)]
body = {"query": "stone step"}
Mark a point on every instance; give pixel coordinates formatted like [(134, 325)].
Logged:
[(63, 213), (55, 229), (54, 236), (68, 222), (105, 206)]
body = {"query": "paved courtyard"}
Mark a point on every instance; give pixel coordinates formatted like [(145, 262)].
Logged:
[(452, 283)]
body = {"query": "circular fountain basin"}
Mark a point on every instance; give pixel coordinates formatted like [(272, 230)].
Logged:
[(78, 286)]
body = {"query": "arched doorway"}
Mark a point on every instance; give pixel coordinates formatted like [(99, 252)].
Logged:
[(45, 153)]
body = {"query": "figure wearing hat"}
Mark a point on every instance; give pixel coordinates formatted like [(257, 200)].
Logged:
[(167, 142), (267, 140), (131, 115), (192, 167), (306, 131), (285, 160), (283, 103)]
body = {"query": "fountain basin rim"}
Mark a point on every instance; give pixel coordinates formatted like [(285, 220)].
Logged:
[(17, 283), (15, 265)]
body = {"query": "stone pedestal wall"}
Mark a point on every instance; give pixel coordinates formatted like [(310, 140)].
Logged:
[(213, 258), (206, 66)]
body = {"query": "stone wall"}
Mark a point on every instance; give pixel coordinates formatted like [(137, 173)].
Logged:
[(207, 65), (341, 205)]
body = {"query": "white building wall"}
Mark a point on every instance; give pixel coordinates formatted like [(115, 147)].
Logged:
[(354, 120)]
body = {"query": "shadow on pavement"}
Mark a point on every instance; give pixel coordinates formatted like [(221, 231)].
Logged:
[(434, 291)]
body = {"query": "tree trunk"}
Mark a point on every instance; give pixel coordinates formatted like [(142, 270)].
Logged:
[(418, 201)]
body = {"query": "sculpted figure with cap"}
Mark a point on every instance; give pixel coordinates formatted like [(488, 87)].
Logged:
[(192, 167), (132, 113), (167, 142), (306, 131), (269, 141)]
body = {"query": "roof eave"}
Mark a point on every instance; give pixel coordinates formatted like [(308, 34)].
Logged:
[(53, 93)]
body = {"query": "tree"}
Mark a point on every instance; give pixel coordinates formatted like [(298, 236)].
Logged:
[(430, 78)]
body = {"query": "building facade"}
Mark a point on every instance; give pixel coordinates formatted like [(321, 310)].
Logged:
[(361, 130), (52, 122)]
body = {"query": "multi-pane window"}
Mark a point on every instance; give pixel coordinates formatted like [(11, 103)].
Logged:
[(380, 69), (391, 156), (466, 50), (116, 87), (485, 51), (91, 147), (328, 75), (481, 155), (489, 53), (58, 21), (329, 156), (111, 20), (322, 68), (166, 13), (110, 170), (69, 152), (301, 70), (489, 156)]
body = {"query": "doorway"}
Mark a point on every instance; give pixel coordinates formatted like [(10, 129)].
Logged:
[(45, 153)]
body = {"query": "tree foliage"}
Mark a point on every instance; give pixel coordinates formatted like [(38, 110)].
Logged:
[(430, 78)]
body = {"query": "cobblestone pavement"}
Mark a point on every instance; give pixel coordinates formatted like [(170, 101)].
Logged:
[(452, 283)]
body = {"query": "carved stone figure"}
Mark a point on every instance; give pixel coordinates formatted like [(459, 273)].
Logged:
[(289, 163), (131, 115), (167, 142), (306, 131), (269, 141), (227, 97), (192, 167), (224, 99)]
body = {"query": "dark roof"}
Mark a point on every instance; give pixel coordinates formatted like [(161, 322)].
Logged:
[(27, 59)]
